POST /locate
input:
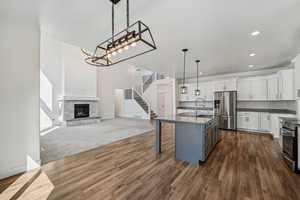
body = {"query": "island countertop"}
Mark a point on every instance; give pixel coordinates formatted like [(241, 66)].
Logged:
[(177, 118)]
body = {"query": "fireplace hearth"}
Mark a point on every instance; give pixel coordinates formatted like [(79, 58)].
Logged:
[(81, 111)]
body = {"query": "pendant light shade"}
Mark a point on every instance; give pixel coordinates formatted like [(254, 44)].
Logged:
[(197, 91), (183, 88)]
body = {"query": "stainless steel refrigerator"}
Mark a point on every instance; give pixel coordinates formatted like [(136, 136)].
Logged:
[(225, 109)]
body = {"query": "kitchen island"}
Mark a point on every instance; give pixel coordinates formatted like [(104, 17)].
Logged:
[(195, 137)]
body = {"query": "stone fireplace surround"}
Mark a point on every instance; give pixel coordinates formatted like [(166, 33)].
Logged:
[(67, 105)]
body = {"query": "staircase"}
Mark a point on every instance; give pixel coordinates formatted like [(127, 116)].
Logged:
[(144, 104)]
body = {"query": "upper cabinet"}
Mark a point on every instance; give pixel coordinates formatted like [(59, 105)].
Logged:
[(275, 87), (243, 87), (252, 89), (225, 85), (259, 91), (286, 84)]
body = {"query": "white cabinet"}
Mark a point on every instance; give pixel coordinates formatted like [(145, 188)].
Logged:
[(259, 89), (286, 84), (265, 122), (210, 91), (242, 121), (254, 121), (207, 91), (275, 123), (225, 85), (273, 88), (243, 86), (252, 89), (248, 120)]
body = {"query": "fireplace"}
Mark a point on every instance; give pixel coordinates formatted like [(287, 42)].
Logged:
[(81, 111)]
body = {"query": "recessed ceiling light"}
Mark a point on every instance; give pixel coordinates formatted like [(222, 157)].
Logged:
[(200, 73), (252, 54), (255, 33), (251, 66)]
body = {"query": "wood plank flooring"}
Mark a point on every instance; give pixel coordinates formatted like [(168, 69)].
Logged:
[(242, 166)]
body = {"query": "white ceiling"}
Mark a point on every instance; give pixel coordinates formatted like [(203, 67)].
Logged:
[(217, 32)]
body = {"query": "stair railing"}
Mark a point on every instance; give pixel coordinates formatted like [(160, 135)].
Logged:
[(149, 81), (135, 95)]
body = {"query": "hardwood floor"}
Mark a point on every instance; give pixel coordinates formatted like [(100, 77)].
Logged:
[(242, 166)]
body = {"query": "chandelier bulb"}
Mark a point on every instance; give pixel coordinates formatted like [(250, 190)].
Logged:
[(114, 53), (133, 44)]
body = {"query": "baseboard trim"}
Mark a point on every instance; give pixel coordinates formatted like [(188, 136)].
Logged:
[(17, 169)]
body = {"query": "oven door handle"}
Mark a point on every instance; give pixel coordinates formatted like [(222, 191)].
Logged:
[(287, 133)]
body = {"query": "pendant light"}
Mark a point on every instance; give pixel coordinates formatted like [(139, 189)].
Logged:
[(184, 88), (133, 41), (197, 91)]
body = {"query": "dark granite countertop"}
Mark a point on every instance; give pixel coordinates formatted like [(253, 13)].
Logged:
[(291, 120), (279, 111), (177, 118)]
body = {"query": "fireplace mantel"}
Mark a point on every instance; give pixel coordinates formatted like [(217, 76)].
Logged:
[(76, 98)]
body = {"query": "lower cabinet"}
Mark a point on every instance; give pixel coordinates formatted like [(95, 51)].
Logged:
[(254, 121), (265, 122), (261, 122), (248, 120), (276, 125)]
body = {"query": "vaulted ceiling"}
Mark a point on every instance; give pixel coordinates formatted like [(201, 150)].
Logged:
[(216, 32)]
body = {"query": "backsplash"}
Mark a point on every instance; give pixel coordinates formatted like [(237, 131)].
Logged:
[(286, 105), (289, 105)]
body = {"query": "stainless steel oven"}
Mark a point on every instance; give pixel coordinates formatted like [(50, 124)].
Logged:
[(289, 134)]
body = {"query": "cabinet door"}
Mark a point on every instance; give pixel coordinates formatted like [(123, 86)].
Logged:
[(286, 84), (273, 88), (230, 85), (219, 86), (258, 91), (265, 122), (243, 88), (253, 121), (209, 91), (242, 121)]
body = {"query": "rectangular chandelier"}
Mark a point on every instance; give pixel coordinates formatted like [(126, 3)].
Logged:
[(133, 41)]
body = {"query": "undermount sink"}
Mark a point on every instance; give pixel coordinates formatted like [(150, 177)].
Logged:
[(192, 114), (204, 116)]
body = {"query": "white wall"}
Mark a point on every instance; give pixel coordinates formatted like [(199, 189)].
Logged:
[(79, 78), (128, 108), (51, 78), (19, 87), (151, 94), (63, 73), (109, 79)]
